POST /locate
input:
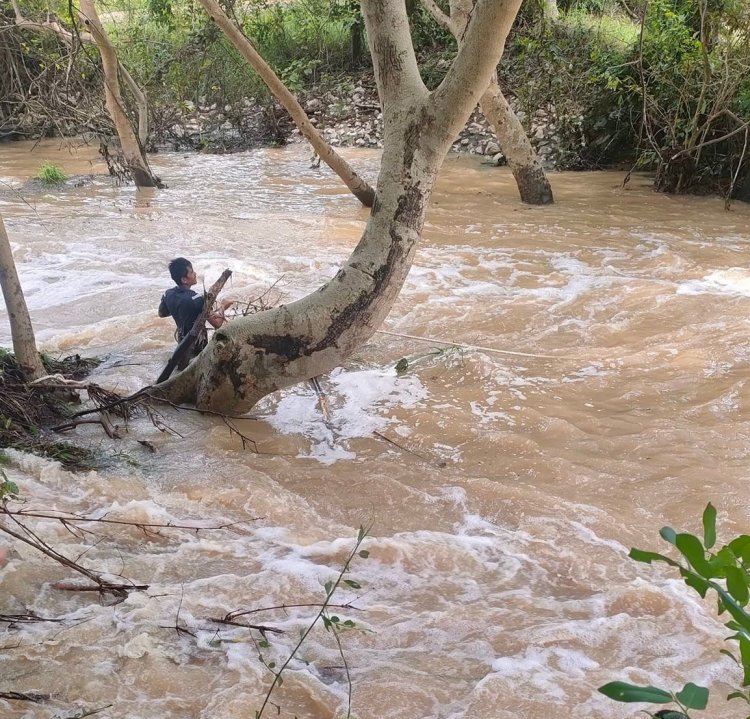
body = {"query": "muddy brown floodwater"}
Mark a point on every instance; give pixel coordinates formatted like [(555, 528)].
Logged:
[(598, 390)]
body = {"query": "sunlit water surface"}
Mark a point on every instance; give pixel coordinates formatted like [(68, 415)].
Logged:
[(600, 393)]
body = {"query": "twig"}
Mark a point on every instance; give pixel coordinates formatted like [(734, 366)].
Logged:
[(26, 697), (64, 518), (330, 590), (245, 612), (470, 347)]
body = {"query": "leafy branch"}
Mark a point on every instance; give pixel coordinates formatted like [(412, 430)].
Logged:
[(726, 572), (330, 622)]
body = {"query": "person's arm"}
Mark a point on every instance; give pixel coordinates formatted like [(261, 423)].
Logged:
[(163, 310), (217, 319)]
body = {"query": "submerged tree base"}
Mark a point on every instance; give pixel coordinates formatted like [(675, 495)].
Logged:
[(26, 411)]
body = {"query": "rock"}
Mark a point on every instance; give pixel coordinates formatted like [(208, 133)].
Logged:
[(491, 148)]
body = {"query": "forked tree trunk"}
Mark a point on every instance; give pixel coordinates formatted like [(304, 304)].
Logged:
[(55, 28), (21, 330), (358, 186), (524, 163), (132, 152), (251, 357)]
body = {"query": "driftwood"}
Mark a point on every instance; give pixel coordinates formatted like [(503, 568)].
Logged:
[(182, 353)]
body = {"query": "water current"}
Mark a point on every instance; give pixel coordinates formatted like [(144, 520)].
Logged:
[(596, 391)]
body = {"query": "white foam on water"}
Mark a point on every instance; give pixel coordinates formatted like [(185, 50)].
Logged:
[(359, 401), (734, 281)]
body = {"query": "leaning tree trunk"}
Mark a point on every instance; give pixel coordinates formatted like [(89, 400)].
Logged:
[(21, 330), (55, 28), (524, 163), (527, 169), (358, 187), (251, 357), (132, 152)]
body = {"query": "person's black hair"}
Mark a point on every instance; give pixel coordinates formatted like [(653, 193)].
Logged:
[(178, 269)]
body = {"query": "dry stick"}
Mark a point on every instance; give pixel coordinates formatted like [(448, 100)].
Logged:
[(103, 520), (189, 340), (245, 612), (26, 697), (101, 584)]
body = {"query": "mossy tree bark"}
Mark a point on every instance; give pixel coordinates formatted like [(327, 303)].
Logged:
[(21, 329), (358, 186), (533, 185), (135, 159), (251, 357)]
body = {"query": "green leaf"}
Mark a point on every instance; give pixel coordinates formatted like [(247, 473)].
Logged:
[(668, 534), (624, 692), (349, 623), (725, 557), (741, 547), (264, 643), (692, 696), (692, 549), (364, 554), (328, 586), (351, 583), (737, 584), (745, 656), (361, 534), (698, 583), (729, 654), (738, 695), (647, 557), (709, 527)]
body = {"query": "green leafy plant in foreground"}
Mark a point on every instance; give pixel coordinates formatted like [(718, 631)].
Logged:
[(331, 622), (8, 489), (724, 572), (50, 174)]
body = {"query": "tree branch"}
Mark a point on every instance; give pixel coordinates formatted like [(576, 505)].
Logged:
[(479, 52), (389, 37), (439, 16)]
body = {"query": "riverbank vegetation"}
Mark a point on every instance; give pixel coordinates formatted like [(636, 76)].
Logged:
[(659, 86), (28, 410)]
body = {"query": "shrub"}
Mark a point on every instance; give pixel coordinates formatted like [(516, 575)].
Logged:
[(724, 572), (50, 174)]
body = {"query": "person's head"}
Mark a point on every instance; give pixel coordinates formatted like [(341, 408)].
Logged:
[(181, 271)]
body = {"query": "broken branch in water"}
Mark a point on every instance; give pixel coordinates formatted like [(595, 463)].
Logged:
[(34, 697)]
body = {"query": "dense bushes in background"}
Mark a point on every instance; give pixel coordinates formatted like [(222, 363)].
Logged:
[(661, 85)]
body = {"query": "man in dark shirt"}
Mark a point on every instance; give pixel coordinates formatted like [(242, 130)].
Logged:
[(184, 305)]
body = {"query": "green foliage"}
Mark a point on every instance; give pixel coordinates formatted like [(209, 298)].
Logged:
[(725, 572), (572, 68), (331, 622), (8, 489), (50, 174)]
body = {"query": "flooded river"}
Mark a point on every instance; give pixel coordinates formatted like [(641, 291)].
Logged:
[(597, 390)]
